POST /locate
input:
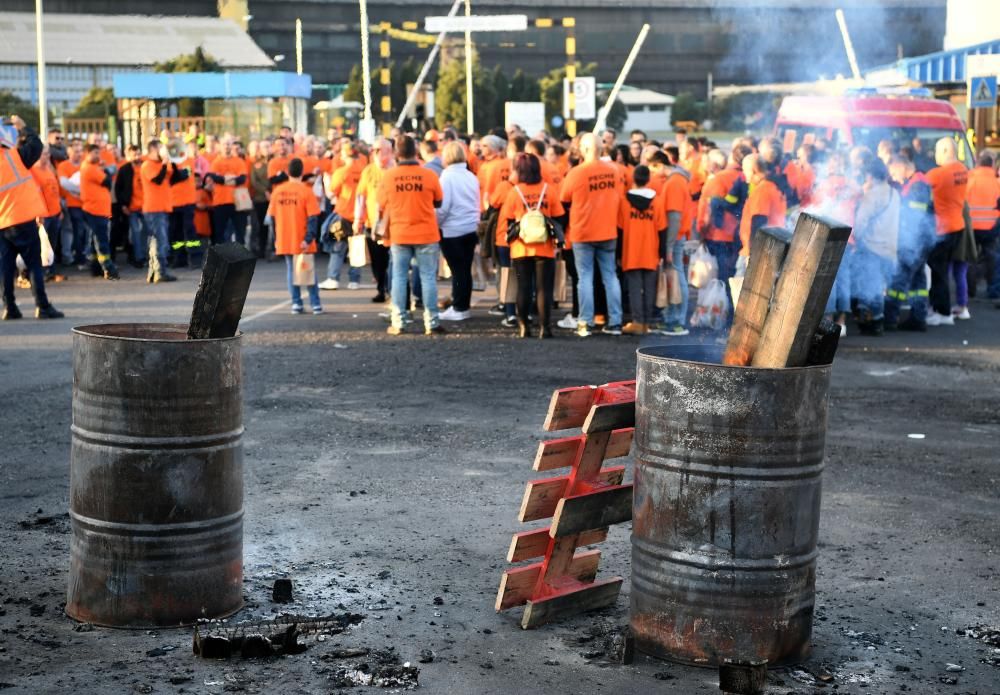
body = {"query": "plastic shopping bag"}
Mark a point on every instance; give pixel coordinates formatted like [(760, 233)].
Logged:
[(48, 255), (668, 287), (736, 282), (304, 270), (713, 307), (703, 268), (357, 251)]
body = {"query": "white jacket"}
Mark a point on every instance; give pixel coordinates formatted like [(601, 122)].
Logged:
[(459, 211)]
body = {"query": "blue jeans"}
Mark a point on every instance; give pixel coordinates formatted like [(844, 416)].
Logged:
[(427, 265), (839, 301), (726, 253), (989, 243), (676, 314), (80, 234), (22, 239), (158, 226), (138, 236), (99, 238), (296, 291), (585, 254), (338, 259)]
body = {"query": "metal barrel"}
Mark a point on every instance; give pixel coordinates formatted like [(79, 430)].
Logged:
[(156, 477), (726, 507)]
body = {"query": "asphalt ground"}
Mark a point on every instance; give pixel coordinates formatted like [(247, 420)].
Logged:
[(385, 473)]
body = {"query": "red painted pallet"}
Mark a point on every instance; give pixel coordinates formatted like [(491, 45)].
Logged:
[(582, 504)]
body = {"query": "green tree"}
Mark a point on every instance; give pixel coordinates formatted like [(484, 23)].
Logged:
[(10, 103), (199, 61), (355, 85), (688, 108), (501, 87), (402, 77), (523, 88), (616, 117), (99, 102), (449, 96)]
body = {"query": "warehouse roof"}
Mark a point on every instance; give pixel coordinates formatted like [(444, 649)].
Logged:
[(633, 96), (82, 39)]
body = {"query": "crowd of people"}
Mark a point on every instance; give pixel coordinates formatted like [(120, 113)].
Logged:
[(588, 224)]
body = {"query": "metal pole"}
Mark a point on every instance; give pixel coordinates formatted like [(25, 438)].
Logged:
[(298, 45), (569, 23), (848, 46), (366, 70), (602, 115), (385, 75), (424, 70), (43, 106), (468, 71)]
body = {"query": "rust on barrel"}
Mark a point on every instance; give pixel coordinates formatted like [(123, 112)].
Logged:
[(726, 507), (156, 476)]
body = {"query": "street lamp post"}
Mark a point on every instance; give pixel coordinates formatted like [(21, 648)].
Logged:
[(43, 106)]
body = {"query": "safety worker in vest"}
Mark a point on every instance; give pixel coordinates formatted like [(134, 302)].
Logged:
[(766, 205), (916, 238), (95, 192), (21, 205), (717, 226), (983, 197), (184, 242), (948, 182)]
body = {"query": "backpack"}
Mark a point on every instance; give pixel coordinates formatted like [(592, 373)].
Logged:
[(533, 227)]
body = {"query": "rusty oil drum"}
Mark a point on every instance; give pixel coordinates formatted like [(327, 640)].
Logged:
[(726, 507), (156, 477)]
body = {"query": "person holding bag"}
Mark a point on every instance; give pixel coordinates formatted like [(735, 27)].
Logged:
[(530, 210), (295, 212)]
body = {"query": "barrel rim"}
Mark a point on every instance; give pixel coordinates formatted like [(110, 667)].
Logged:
[(645, 352), (105, 331)]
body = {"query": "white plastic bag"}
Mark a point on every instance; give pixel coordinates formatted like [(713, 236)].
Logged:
[(304, 270), (703, 268), (48, 255), (736, 282), (713, 307), (357, 251)]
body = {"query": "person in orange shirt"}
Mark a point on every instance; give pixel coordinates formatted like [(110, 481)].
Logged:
[(228, 173), (203, 214), (295, 212), (343, 194), (494, 175), (95, 194), (21, 204), (69, 180), (277, 167), (691, 160), (765, 206), (673, 183), (408, 196), (128, 193), (716, 223), (367, 214), (550, 172), (534, 264), (983, 197), (593, 192), (801, 175), (184, 242), (948, 183), (158, 173), (45, 176), (642, 218)]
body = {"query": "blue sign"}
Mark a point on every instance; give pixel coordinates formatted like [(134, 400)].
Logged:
[(982, 92)]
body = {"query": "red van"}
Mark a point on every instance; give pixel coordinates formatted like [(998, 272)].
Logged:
[(866, 116)]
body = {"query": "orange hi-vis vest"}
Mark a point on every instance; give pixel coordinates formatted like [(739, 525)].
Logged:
[(982, 194), (20, 198)]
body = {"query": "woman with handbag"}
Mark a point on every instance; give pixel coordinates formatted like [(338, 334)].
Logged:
[(530, 210)]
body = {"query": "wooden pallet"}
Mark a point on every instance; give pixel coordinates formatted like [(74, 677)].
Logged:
[(581, 503)]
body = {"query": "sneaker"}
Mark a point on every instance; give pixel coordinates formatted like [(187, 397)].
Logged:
[(10, 313), (497, 310), (936, 319), (353, 286), (615, 329), (296, 308), (378, 299), (843, 331), (48, 312), (111, 274), (600, 319), (569, 322), (961, 313), (675, 331), (509, 322), (394, 330), (633, 328), (317, 310), (583, 331), (329, 284), (435, 330), (452, 314)]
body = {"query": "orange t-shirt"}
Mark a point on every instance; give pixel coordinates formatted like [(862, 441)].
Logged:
[(344, 187), (155, 196), (948, 187), (226, 166), (96, 198), (202, 216), (641, 233), (513, 209), (65, 170), (185, 192), (407, 194), (277, 165), (550, 174), (594, 191), (490, 175), (764, 199), (676, 191), (292, 204), (108, 157), (371, 179), (310, 165), (718, 185), (497, 199), (49, 185)]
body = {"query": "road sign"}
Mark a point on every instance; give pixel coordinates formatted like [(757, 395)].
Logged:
[(530, 115), (586, 98), (496, 22), (982, 92)]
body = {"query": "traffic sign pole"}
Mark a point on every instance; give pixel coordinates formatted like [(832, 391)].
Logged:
[(569, 23), (469, 116)]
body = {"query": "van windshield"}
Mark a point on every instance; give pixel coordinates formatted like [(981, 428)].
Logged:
[(920, 140)]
